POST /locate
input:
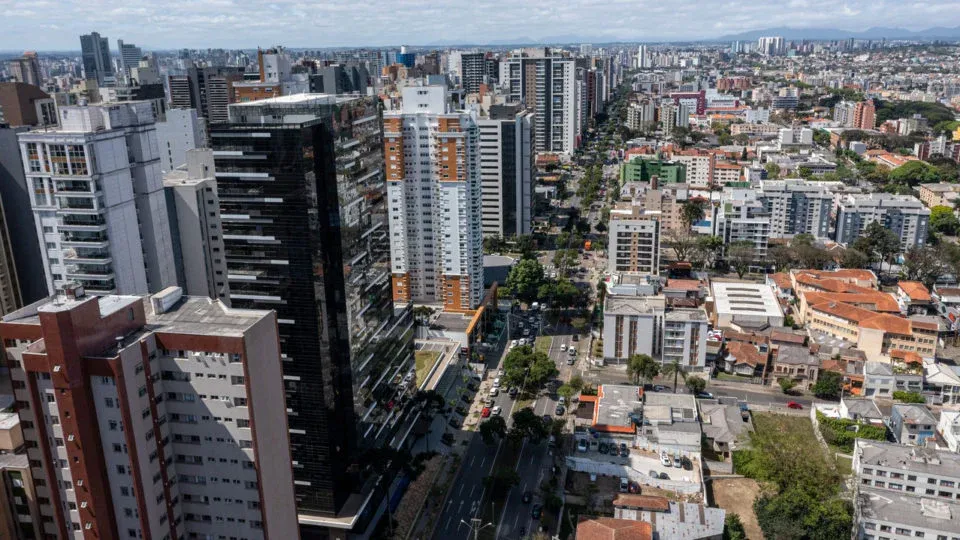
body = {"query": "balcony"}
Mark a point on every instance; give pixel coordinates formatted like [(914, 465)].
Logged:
[(82, 223), (95, 273), (92, 240)]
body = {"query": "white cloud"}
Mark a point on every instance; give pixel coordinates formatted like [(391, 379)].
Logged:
[(171, 24)]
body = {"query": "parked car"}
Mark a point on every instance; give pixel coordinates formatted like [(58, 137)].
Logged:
[(561, 401), (603, 448), (624, 451), (488, 402), (494, 392), (664, 476), (466, 398), (704, 395), (496, 410), (654, 474), (537, 511), (665, 460), (496, 383), (472, 386), (660, 388), (485, 413), (454, 423), (676, 462), (563, 347), (572, 360), (461, 410), (560, 410), (547, 419), (794, 405), (575, 338), (582, 445), (624, 484), (513, 392), (527, 496)]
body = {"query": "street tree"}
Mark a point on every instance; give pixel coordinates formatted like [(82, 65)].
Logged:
[(527, 424), (683, 242), (642, 368), (829, 385), (944, 221), (692, 211), (525, 279), (696, 384), (576, 382), (885, 242), (782, 258), (924, 264), (854, 258), (740, 255), (527, 369), (566, 391), (787, 384), (674, 368), (492, 428)]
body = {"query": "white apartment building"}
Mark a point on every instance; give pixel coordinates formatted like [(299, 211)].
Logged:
[(160, 417), (700, 166), (506, 171), (197, 235), (633, 241), (544, 81), (949, 428), (632, 325), (905, 491), (182, 130), (743, 218), (685, 339), (434, 193), (787, 137), (642, 115), (797, 207), (905, 215), (98, 201)]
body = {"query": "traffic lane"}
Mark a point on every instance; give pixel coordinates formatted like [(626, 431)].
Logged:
[(532, 469), (761, 398), (463, 503)]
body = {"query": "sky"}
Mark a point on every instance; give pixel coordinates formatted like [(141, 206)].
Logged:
[(171, 24)]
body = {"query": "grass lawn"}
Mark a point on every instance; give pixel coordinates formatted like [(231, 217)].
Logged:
[(845, 464), (543, 344), (731, 377), (425, 362)]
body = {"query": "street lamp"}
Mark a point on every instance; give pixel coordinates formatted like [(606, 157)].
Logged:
[(475, 526)]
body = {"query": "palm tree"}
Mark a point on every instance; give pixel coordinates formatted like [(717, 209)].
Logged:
[(676, 369)]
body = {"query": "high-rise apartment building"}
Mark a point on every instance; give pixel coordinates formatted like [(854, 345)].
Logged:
[(633, 241), (544, 81), (905, 215), (865, 115), (304, 212), (97, 64), (642, 115), (797, 207), (473, 71), (742, 218), (434, 189), (209, 90), (26, 69), (197, 235), (771, 45), (130, 56), (23, 104), (98, 201), (152, 418), (506, 171)]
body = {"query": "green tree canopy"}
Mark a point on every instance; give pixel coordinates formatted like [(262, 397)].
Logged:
[(525, 279), (526, 368), (829, 385), (914, 173), (944, 221), (696, 384), (492, 428), (740, 255), (641, 367)]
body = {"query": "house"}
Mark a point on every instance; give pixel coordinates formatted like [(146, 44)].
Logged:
[(670, 423), (914, 298), (782, 285), (912, 424), (861, 410), (941, 383), (669, 519), (946, 301), (742, 358), (881, 380), (723, 424), (795, 363), (614, 529), (949, 429)]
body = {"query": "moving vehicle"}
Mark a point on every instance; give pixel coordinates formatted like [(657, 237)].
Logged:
[(794, 405), (563, 347), (527, 496), (537, 511)]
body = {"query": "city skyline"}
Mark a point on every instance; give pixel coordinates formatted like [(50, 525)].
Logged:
[(416, 22)]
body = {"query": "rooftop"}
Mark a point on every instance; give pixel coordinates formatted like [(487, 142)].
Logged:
[(684, 521), (606, 528), (934, 514), (917, 291), (745, 299), (617, 405), (298, 99), (914, 413), (909, 458), (633, 305), (796, 356)]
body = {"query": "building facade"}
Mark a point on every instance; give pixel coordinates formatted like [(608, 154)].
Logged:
[(305, 234), (97, 200), (633, 242), (97, 64), (544, 82), (797, 207), (506, 171), (903, 214), (209, 90), (143, 420), (181, 130), (434, 188)]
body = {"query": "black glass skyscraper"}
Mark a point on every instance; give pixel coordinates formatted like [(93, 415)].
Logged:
[(302, 200)]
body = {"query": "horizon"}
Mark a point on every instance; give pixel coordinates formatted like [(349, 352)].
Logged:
[(338, 24)]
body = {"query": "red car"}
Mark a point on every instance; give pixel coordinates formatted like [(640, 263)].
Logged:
[(485, 413), (794, 405)]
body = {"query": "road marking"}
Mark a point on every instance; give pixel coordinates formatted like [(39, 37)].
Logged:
[(472, 490), (461, 489), (482, 462), (447, 526), (471, 461)]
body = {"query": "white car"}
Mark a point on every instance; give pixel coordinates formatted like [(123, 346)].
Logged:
[(665, 460), (496, 411), (496, 383), (563, 346), (572, 351), (582, 445), (526, 331), (513, 344), (494, 392), (561, 401)]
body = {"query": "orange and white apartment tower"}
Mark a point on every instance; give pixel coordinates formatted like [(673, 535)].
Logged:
[(433, 186), (157, 417)]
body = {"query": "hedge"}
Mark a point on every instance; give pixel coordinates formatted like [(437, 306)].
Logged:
[(837, 433)]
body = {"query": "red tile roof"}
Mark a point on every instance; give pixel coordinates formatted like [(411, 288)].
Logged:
[(782, 281), (917, 291), (643, 502), (614, 529), (745, 353)]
